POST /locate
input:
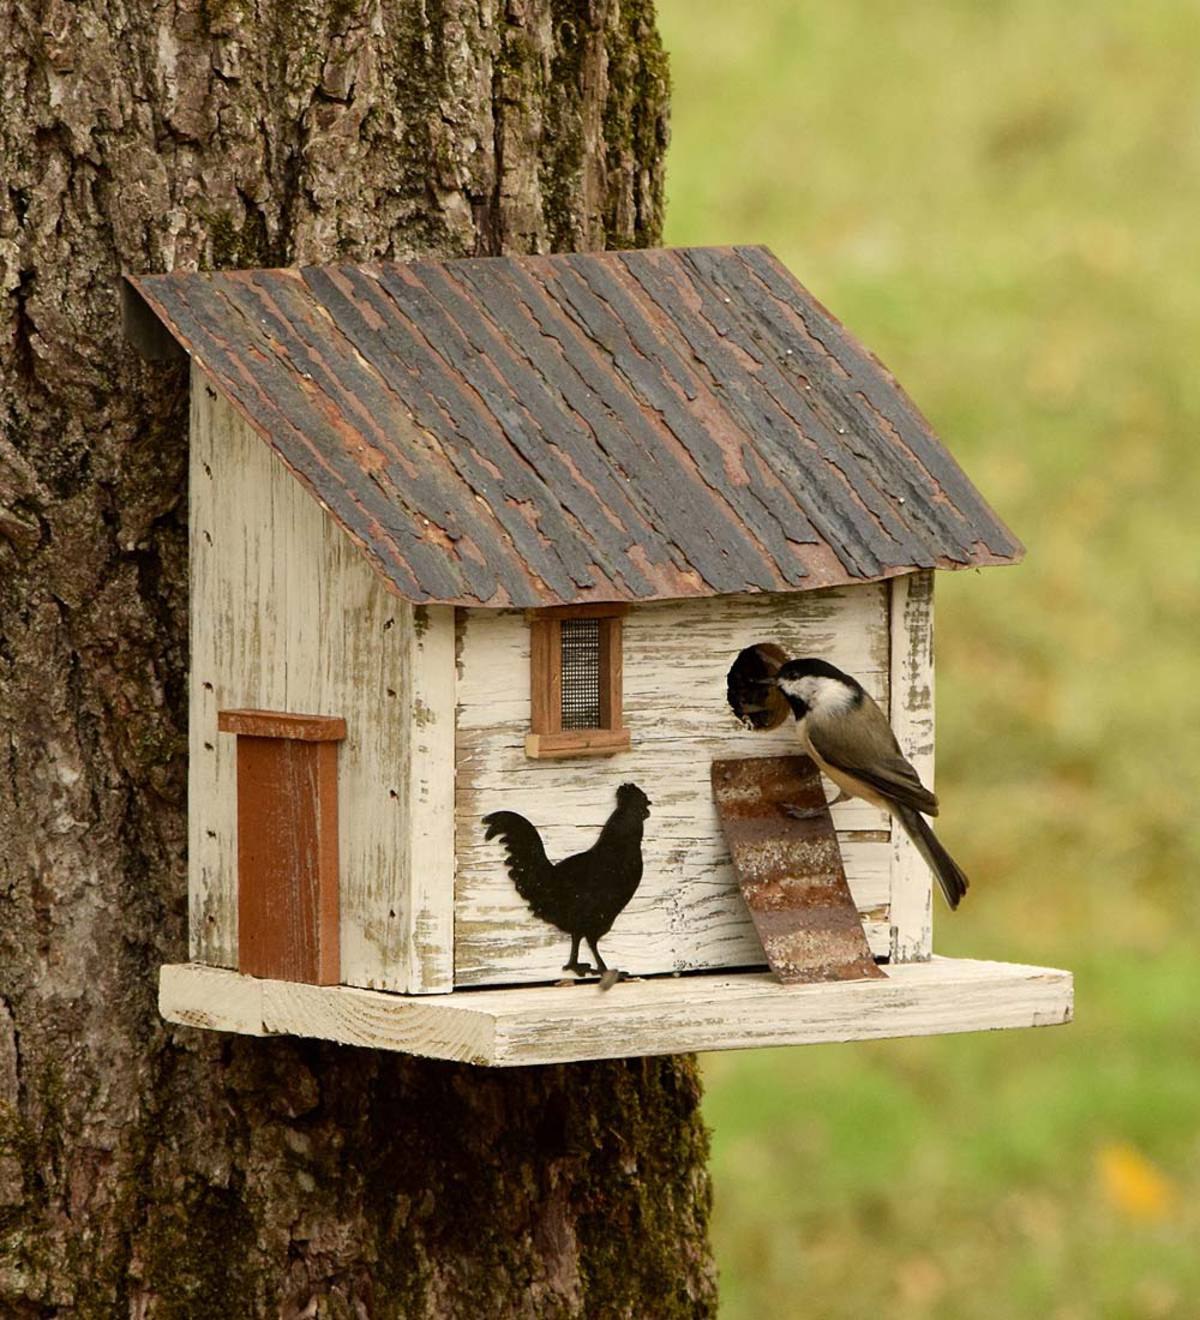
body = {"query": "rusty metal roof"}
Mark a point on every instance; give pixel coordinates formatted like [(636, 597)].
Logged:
[(604, 426)]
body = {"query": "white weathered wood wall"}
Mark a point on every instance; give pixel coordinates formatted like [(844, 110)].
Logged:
[(287, 615), (688, 912), (911, 681)]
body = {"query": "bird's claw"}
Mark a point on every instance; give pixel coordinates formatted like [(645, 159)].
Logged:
[(811, 813), (580, 969), (801, 813)]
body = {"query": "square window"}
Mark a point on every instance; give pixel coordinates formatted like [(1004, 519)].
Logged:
[(575, 682)]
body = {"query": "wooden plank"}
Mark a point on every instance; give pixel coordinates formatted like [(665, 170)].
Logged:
[(790, 870), (612, 676), (688, 912), (762, 1013), (545, 676), (214, 998), (911, 699), (287, 859), (665, 1015), (370, 1019), (600, 610), (212, 808), (428, 841), (576, 742), (282, 724)]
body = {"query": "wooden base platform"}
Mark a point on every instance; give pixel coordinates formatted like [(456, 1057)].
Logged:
[(663, 1015)]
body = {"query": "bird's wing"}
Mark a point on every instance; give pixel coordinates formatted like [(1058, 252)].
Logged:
[(862, 744)]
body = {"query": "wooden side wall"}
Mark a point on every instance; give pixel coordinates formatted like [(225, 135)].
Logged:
[(911, 608), (287, 615), (688, 912)]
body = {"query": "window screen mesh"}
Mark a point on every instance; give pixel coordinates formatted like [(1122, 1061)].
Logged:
[(580, 673)]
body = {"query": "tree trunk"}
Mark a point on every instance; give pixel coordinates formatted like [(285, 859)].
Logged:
[(152, 1172)]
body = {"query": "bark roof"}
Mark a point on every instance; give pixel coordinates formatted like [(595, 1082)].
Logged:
[(606, 426)]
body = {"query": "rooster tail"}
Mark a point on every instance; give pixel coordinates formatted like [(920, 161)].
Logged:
[(528, 864), (947, 870)]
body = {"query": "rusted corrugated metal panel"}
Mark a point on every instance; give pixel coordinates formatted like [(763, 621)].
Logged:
[(607, 426), (790, 870)]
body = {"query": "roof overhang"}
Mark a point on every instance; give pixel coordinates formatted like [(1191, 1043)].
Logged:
[(538, 431)]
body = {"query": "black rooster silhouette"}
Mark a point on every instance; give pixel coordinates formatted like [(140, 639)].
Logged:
[(584, 894)]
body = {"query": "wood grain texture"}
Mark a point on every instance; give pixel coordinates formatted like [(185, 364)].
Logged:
[(427, 840), (911, 694), (571, 743), (232, 600), (559, 1024), (612, 675), (287, 881), (609, 609), (545, 678), (688, 912), (282, 724), (212, 998), (286, 615)]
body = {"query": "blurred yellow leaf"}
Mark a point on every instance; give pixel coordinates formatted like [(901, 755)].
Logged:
[(920, 1281), (1133, 1185)]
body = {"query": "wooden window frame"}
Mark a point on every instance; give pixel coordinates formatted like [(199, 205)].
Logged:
[(547, 738)]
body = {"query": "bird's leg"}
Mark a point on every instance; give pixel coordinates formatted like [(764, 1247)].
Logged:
[(811, 813), (580, 969), (600, 964)]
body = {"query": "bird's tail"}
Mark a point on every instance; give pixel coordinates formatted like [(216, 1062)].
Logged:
[(528, 864), (947, 870)]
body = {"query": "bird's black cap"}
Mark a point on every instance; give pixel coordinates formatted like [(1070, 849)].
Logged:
[(811, 667)]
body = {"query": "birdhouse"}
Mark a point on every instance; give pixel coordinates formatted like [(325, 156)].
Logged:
[(477, 549)]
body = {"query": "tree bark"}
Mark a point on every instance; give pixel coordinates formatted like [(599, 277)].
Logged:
[(156, 1172)]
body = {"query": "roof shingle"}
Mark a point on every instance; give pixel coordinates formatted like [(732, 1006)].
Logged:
[(545, 430)]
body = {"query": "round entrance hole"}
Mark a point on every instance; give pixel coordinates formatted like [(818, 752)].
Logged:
[(753, 696)]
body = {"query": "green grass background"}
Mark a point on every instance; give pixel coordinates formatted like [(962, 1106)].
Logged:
[(1003, 200)]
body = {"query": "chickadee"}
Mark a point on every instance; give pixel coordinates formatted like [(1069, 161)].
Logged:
[(849, 738)]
